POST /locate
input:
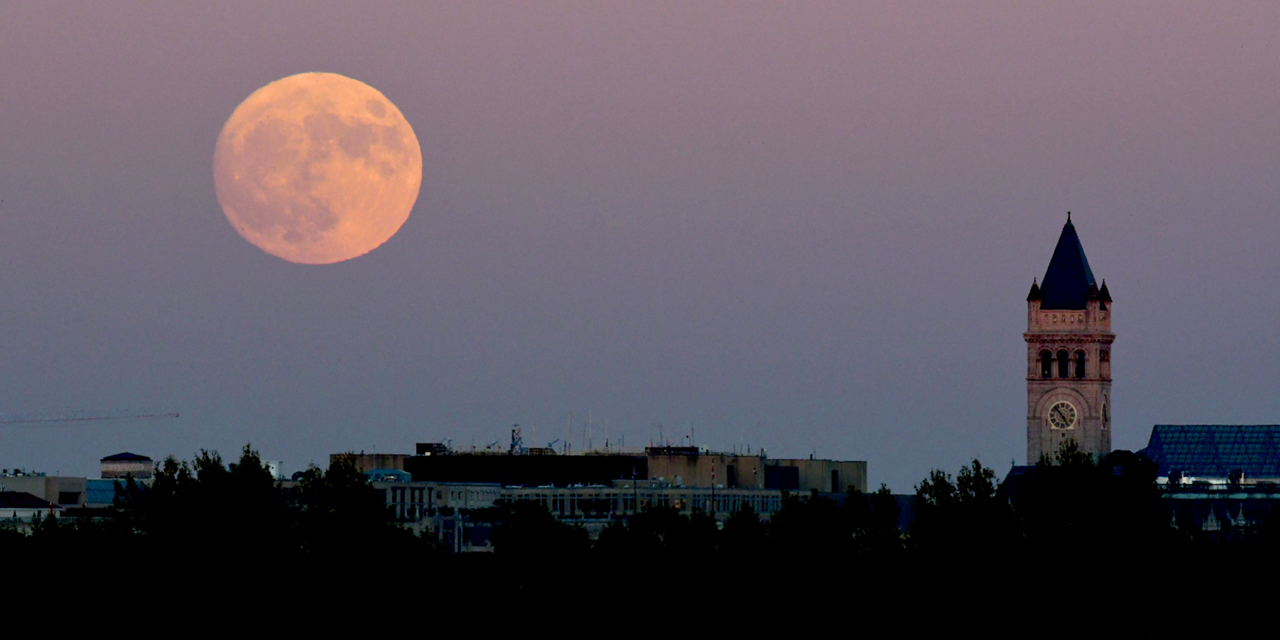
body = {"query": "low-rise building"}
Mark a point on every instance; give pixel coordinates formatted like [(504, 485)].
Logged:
[(19, 509), (65, 491), (678, 466), (443, 490), (1223, 480)]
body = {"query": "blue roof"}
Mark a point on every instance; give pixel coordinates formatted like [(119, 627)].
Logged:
[(388, 475), (1068, 278), (1215, 450), (100, 491)]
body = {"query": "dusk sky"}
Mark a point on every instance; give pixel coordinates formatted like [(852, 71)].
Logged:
[(809, 227)]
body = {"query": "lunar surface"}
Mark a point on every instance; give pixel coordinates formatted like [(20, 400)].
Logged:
[(317, 168)]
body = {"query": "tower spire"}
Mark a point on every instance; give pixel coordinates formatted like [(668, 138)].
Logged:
[(1068, 278)]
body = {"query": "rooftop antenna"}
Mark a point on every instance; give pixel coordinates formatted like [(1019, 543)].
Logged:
[(569, 439), (517, 440)]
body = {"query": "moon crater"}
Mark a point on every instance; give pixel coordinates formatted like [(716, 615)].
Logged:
[(317, 168)]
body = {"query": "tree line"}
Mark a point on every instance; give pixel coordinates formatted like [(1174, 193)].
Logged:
[(208, 510), (1071, 507)]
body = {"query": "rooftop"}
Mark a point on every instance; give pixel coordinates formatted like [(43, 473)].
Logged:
[(22, 500), (1215, 450), (1068, 279), (126, 457)]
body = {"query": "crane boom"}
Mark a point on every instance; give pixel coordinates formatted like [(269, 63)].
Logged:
[(84, 415)]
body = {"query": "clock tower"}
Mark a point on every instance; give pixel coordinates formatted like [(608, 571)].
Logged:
[(1068, 355)]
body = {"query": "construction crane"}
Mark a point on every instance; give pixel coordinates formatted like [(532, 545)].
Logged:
[(85, 415)]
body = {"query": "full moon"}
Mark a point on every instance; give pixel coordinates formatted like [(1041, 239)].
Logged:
[(317, 168)]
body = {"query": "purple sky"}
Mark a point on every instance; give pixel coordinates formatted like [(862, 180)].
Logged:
[(806, 227)]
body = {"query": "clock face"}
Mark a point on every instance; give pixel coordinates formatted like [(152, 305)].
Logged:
[(1062, 415)]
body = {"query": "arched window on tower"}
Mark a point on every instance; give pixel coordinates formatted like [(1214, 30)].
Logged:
[(1046, 364), (1079, 364), (1064, 364)]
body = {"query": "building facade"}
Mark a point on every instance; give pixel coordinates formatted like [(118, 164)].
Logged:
[(447, 493), (454, 511), (122, 465), (678, 466), (1068, 355), (1222, 480), (64, 491)]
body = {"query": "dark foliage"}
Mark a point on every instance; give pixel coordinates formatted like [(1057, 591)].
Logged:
[(961, 520), (1071, 510), (1093, 508), (811, 525), (660, 533), (874, 518), (230, 515), (744, 534), (528, 532)]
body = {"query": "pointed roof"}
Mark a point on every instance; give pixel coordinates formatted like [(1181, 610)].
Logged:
[(23, 500), (1068, 278)]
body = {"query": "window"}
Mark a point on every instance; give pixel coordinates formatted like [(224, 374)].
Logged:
[(1046, 364), (1064, 363), (1080, 364)]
